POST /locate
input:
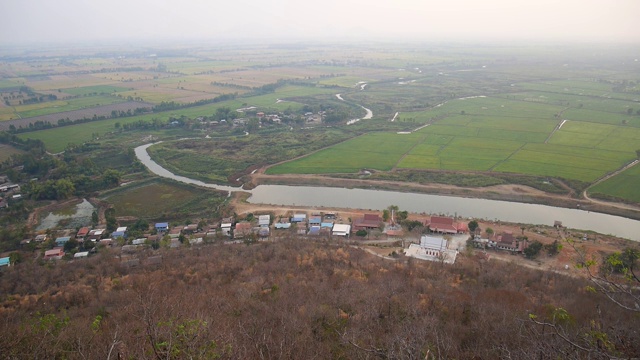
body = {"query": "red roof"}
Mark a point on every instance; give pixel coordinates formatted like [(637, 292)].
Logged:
[(368, 221), (82, 232)]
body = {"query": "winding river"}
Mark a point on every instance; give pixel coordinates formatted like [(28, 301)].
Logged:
[(316, 196)]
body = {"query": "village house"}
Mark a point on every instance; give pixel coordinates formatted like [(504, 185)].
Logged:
[(41, 238), (162, 227), (242, 230), (368, 222), (315, 221), (82, 254), (62, 240), (225, 226), (190, 229), (299, 218), (84, 231), (5, 261), (54, 254), (264, 220), (506, 241), (96, 234)]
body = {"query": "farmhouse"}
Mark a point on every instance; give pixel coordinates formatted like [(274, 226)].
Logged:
[(369, 221)]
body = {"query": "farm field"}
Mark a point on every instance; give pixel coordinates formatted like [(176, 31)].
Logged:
[(494, 134), (501, 109), (623, 186)]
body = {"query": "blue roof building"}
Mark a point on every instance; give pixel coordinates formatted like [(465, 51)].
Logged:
[(62, 240), (5, 261), (117, 234), (162, 226)]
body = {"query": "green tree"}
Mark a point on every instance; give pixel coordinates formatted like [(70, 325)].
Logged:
[(473, 226), (94, 218), (533, 249), (386, 215), (63, 188), (111, 177), (553, 248)]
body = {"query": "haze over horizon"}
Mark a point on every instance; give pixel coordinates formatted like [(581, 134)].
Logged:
[(67, 21)]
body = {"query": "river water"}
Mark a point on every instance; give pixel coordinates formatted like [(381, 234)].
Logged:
[(316, 196)]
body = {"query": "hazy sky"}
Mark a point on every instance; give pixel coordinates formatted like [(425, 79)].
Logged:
[(275, 20)]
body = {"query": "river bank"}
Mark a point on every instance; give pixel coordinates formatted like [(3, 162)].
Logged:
[(510, 192), (357, 193)]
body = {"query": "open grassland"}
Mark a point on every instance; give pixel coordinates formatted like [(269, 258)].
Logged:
[(6, 151), (221, 160), (163, 200), (622, 186)]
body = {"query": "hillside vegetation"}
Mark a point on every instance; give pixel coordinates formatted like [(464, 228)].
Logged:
[(302, 300)]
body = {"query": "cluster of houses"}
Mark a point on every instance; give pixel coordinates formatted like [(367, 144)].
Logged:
[(314, 225), (432, 246), (8, 192)]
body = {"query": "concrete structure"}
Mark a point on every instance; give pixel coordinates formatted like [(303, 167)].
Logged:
[(433, 249), (341, 230)]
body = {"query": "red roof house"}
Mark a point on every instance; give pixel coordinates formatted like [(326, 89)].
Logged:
[(369, 221), (55, 253), (82, 232), (443, 224)]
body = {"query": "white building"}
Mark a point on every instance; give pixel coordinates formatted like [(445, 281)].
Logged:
[(433, 249), (341, 230)]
